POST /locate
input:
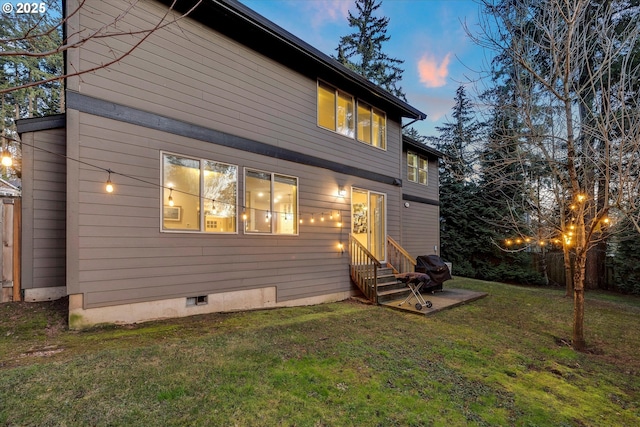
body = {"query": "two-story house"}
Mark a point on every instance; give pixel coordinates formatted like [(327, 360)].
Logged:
[(242, 161)]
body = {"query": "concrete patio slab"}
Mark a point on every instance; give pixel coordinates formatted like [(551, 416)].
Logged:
[(440, 300)]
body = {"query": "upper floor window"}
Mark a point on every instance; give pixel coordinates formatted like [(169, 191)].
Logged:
[(372, 126), (271, 203), (198, 195), (417, 168), (335, 110)]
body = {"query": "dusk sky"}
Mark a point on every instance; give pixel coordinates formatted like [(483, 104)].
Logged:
[(427, 34)]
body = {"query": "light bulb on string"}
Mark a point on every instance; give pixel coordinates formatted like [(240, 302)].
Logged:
[(312, 220), (170, 197), (322, 217), (109, 186), (6, 158)]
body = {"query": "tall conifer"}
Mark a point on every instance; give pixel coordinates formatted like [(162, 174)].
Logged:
[(362, 51)]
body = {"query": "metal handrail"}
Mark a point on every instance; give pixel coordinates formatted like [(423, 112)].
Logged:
[(364, 269), (398, 258)]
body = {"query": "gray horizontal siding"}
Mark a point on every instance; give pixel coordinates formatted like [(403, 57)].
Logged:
[(420, 229), (125, 258), (193, 74), (429, 191), (43, 209)]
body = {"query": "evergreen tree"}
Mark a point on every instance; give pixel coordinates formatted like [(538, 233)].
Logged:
[(626, 256), (34, 33), (460, 231), (361, 51), (470, 219), (459, 140), (414, 134)]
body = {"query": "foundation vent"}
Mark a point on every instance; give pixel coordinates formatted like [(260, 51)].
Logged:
[(199, 300)]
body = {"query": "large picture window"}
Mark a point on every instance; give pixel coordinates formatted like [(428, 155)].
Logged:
[(271, 203), (372, 126), (198, 195), (335, 110), (417, 168)]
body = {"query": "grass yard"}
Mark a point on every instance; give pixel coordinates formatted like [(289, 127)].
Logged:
[(499, 361)]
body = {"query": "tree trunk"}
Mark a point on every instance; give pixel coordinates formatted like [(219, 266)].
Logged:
[(568, 277), (578, 340)]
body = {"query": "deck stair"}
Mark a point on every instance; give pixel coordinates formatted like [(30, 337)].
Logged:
[(378, 283), (389, 288)]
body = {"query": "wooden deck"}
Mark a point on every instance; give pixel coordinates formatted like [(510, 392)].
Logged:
[(440, 300)]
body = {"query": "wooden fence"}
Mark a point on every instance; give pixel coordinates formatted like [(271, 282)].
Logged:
[(10, 229), (555, 268)]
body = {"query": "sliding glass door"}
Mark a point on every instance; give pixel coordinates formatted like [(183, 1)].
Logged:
[(369, 219)]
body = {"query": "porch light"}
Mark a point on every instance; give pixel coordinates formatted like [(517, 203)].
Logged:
[(341, 191)]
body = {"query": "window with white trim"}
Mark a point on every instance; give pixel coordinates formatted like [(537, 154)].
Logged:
[(417, 168), (270, 203), (198, 195), (335, 110)]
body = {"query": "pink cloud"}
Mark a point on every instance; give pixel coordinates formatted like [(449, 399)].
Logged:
[(329, 10), (432, 73)]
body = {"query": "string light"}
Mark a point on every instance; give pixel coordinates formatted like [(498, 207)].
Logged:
[(6, 158), (170, 198), (109, 186)]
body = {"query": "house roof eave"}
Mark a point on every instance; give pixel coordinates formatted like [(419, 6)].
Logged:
[(408, 142)]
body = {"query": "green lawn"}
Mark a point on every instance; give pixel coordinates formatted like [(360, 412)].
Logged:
[(499, 361)]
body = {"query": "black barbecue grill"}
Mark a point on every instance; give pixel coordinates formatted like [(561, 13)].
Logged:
[(430, 273), (437, 270)]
